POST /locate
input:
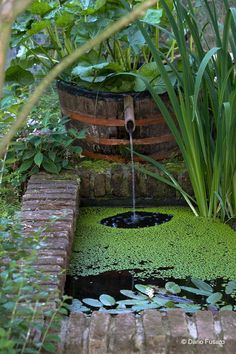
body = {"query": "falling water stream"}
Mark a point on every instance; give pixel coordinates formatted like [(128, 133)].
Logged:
[(134, 216)]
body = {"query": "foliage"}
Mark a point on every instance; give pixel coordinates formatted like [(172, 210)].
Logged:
[(164, 299), (204, 107), (27, 324), (61, 27), (45, 143)]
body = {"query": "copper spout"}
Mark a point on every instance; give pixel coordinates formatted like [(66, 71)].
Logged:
[(129, 114)]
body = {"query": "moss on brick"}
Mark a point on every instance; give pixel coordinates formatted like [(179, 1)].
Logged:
[(185, 246)]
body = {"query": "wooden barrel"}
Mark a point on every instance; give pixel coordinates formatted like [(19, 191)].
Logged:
[(102, 113)]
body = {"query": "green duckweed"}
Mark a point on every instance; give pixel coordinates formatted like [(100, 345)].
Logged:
[(185, 246)]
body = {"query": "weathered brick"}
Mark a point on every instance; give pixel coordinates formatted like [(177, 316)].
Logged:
[(123, 333), (228, 323), (99, 185), (98, 333), (155, 339), (178, 333), (77, 334)]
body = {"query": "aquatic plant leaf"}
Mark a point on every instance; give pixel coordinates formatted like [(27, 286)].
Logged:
[(145, 307), (172, 287), (175, 298), (118, 311), (144, 289), (160, 301), (132, 295), (107, 300), (196, 291), (92, 302), (132, 302), (226, 308), (230, 287), (189, 307), (214, 298), (200, 284)]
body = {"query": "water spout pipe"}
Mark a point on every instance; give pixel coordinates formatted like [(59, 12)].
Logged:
[(129, 114)]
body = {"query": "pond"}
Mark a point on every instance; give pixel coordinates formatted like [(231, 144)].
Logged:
[(108, 259)]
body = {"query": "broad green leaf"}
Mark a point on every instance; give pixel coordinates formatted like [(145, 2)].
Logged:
[(38, 159), (49, 347), (172, 287), (40, 7), (50, 166), (214, 298), (52, 155), (92, 302), (26, 165), (16, 74), (153, 16), (202, 285), (38, 27), (65, 20), (107, 300)]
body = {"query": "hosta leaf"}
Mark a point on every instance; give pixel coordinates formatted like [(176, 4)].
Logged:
[(50, 166), (107, 300), (230, 287), (172, 287), (202, 285), (214, 298), (38, 159), (92, 302), (25, 165)]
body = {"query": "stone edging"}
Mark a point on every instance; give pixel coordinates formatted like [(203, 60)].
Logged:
[(151, 333), (49, 197)]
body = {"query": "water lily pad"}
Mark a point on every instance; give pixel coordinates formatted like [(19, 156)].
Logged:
[(133, 295), (196, 291), (200, 284), (214, 298), (92, 302), (107, 300), (230, 287), (172, 287)]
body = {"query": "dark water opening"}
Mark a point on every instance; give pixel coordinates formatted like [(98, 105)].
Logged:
[(140, 219), (113, 281)]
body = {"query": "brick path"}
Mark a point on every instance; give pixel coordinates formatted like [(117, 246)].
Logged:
[(150, 333)]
